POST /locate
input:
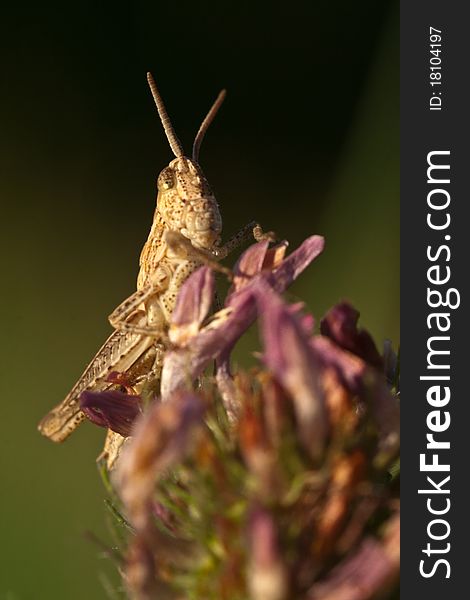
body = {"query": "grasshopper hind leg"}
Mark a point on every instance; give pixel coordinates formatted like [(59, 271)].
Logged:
[(144, 377), (120, 351)]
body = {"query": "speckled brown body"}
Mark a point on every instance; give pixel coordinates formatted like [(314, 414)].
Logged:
[(186, 233), (185, 205)]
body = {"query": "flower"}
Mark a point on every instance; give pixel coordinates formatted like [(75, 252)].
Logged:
[(372, 567), (340, 325), (217, 338), (270, 484), (194, 302), (294, 364), (161, 438), (267, 575), (112, 409)]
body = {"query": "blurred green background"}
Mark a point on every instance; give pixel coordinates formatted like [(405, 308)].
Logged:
[(307, 142)]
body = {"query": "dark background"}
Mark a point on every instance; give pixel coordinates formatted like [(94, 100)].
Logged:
[(307, 142)]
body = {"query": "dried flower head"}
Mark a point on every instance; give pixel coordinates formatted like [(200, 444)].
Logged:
[(271, 484)]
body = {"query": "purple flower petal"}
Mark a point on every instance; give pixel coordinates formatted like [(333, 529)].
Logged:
[(253, 261), (360, 379), (275, 255), (248, 265), (183, 365), (292, 266), (287, 352), (306, 320), (112, 409), (194, 302), (289, 269), (227, 389), (350, 368), (340, 324), (267, 573), (370, 571), (218, 338)]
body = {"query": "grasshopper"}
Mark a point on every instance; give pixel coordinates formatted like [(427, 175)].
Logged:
[(185, 233)]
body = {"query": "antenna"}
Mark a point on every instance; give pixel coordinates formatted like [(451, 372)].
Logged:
[(174, 142), (205, 124)]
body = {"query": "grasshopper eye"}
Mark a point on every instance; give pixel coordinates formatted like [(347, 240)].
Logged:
[(166, 179)]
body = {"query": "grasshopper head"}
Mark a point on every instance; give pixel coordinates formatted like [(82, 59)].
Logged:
[(186, 203), (185, 200)]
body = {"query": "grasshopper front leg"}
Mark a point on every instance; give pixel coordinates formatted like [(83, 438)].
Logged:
[(252, 229)]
